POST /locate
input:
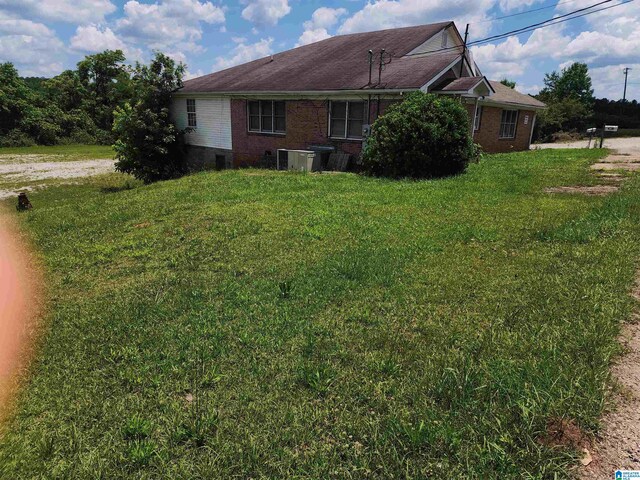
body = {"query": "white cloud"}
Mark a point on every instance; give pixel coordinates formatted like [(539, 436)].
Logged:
[(608, 82), (169, 23), (508, 5), (312, 36), (32, 47), (243, 53), (606, 46), (381, 14), (263, 13), (322, 19), (93, 38), (188, 75), (325, 17), (73, 11)]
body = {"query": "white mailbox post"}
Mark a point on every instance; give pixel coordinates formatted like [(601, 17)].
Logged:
[(607, 128), (591, 132)]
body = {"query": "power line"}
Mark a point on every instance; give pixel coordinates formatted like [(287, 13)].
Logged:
[(547, 23), (524, 13), (532, 28), (515, 32)]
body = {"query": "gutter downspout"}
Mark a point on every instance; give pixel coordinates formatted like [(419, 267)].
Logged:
[(533, 125), (473, 120)]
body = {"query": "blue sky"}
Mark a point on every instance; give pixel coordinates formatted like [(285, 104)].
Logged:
[(44, 37)]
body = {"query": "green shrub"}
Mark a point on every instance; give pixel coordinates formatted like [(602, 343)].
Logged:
[(424, 136), (148, 145), (16, 138)]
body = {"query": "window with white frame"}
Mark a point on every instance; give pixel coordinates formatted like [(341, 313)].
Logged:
[(346, 119), (267, 116), (477, 119), (191, 113), (508, 123)]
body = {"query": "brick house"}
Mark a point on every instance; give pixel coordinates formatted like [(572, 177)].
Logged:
[(323, 96)]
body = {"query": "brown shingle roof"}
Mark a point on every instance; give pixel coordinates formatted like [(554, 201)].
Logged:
[(337, 63), (461, 84), (507, 95)]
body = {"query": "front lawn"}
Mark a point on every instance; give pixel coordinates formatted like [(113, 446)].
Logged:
[(256, 324)]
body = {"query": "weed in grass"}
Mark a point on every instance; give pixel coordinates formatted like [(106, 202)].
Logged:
[(317, 378), (141, 452), (388, 367), (285, 289), (137, 428)]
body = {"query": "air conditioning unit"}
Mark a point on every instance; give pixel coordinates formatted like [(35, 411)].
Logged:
[(299, 160)]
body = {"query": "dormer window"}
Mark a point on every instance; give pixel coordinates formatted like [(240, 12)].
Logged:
[(445, 39)]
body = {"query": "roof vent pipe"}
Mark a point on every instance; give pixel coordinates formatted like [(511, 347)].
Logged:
[(382, 52), (370, 66)]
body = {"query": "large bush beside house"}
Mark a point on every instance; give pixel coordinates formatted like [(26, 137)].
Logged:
[(424, 136), (148, 145)]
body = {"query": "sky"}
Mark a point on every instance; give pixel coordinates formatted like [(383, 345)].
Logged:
[(45, 37)]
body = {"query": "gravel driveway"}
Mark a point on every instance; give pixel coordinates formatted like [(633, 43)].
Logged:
[(22, 169), (629, 145)]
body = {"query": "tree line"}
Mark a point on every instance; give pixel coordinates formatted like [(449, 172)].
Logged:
[(572, 107), (76, 106), (102, 101)]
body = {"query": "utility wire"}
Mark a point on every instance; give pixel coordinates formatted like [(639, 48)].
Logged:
[(553, 22), (495, 19), (529, 28), (515, 32)]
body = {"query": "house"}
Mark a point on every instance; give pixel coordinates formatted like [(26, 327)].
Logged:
[(323, 96)]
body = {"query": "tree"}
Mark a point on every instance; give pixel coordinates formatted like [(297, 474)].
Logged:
[(15, 97), (106, 81), (148, 145), (572, 82), (424, 136), (569, 98), (508, 83)]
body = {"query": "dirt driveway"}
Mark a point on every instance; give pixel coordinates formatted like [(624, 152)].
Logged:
[(30, 172), (629, 145), (618, 444)]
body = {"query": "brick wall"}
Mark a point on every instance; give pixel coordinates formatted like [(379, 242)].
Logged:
[(307, 124), (488, 134)]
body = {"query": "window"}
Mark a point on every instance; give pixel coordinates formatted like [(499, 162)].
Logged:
[(267, 116), (445, 39), (508, 123), (346, 119), (191, 113), (478, 118)]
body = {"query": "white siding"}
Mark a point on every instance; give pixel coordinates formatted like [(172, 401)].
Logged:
[(435, 43), (213, 117)]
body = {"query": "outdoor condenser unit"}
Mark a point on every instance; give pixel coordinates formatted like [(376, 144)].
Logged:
[(299, 160)]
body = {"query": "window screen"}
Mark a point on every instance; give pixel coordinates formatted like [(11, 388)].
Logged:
[(508, 123), (191, 113), (266, 116), (347, 119)]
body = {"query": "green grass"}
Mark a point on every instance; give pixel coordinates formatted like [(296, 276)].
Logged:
[(68, 152), (253, 324)]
